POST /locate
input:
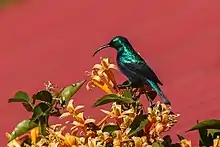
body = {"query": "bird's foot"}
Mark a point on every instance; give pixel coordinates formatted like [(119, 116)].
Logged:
[(124, 85)]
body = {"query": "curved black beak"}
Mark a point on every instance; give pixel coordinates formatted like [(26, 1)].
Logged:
[(101, 48)]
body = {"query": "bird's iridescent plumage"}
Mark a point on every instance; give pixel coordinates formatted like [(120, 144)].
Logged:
[(134, 67)]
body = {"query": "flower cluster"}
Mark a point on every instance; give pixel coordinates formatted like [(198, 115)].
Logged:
[(126, 124), (103, 77)]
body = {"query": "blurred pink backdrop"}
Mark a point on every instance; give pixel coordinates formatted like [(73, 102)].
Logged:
[(43, 40)]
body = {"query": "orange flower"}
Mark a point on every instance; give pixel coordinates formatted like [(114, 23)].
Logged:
[(140, 141), (104, 69), (115, 113), (70, 140), (102, 76), (14, 142), (73, 111), (34, 134), (160, 120), (97, 81), (216, 142)]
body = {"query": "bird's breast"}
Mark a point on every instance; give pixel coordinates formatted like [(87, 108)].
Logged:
[(126, 58)]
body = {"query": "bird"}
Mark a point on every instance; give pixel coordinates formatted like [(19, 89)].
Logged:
[(133, 66)]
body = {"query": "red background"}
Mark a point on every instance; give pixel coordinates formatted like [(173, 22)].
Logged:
[(54, 40)]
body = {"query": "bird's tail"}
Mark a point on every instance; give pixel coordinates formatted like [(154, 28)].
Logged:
[(159, 91)]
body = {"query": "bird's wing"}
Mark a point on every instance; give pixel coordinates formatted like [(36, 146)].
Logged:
[(142, 69)]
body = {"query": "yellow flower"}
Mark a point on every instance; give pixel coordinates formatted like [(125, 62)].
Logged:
[(216, 142), (103, 136), (161, 113), (115, 113), (127, 118), (104, 69), (70, 140), (103, 77), (140, 141), (13, 143), (96, 81), (121, 137), (156, 130), (160, 120), (34, 134), (185, 143), (73, 111), (17, 141), (94, 142), (116, 110)]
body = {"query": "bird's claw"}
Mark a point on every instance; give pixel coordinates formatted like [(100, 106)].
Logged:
[(124, 85)]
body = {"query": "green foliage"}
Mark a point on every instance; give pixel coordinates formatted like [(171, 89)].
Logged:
[(127, 94), (110, 128), (20, 96), (208, 131), (138, 124), (40, 110), (22, 128), (44, 96), (46, 107), (112, 98), (155, 144), (206, 124), (67, 92)]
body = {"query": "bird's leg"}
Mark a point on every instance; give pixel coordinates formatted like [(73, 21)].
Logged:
[(149, 99), (124, 85), (136, 97)]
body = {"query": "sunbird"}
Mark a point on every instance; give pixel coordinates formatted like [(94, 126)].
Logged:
[(133, 66)]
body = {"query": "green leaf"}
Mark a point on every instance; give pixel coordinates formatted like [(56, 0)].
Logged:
[(205, 138), (180, 137), (110, 128), (42, 126), (127, 94), (155, 144), (214, 132), (40, 110), (22, 128), (138, 124), (207, 124), (43, 96), (28, 107), (67, 92), (20, 96), (112, 98), (167, 141)]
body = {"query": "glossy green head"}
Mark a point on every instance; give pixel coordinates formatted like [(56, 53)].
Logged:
[(117, 43)]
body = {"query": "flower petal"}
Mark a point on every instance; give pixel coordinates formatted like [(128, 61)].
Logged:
[(89, 85), (70, 107), (34, 134), (90, 120), (113, 66), (98, 66), (105, 111), (64, 115), (79, 107), (105, 62), (80, 117), (77, 124)]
